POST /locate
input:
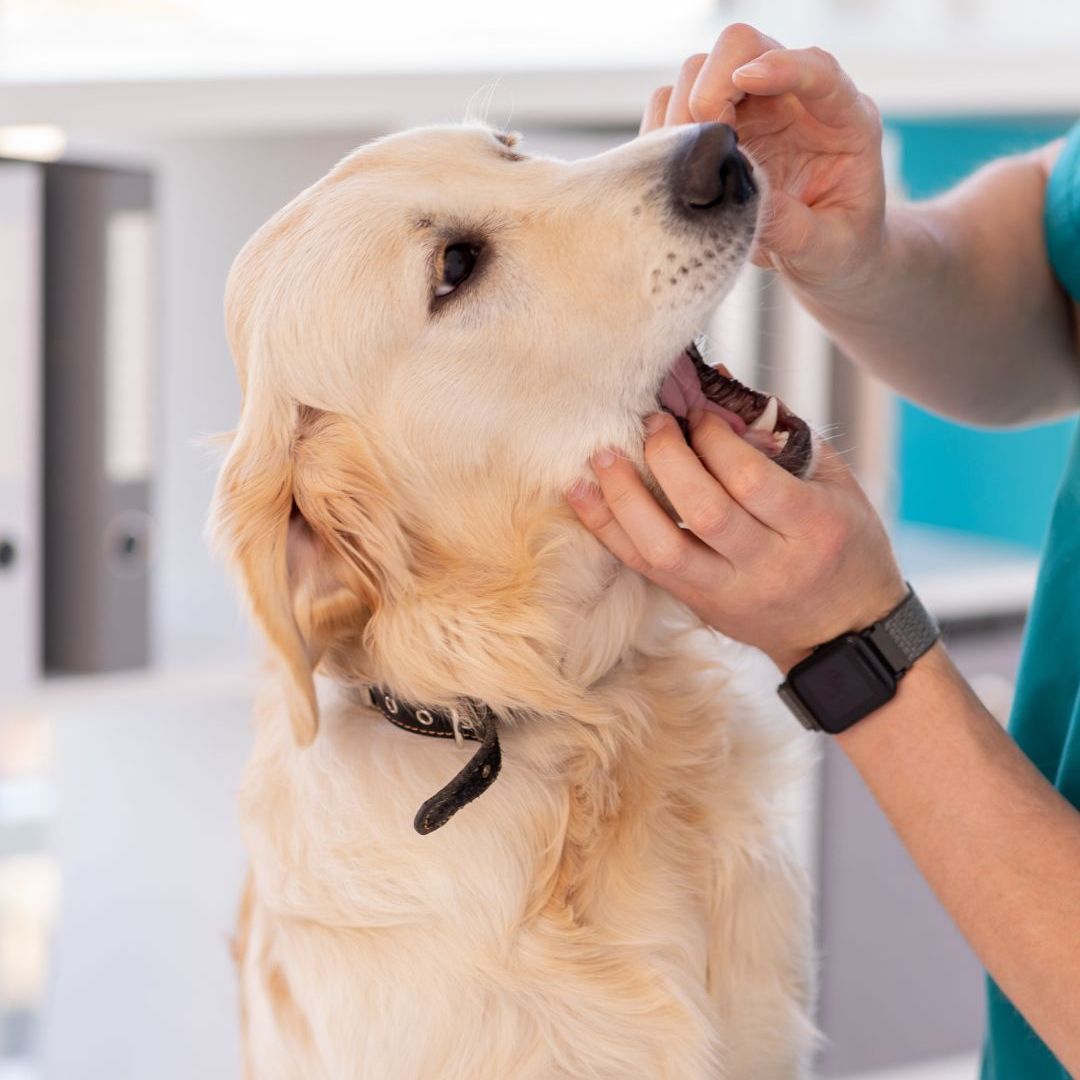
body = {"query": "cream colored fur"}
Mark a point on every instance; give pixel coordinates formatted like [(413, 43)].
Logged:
[(619, 903)]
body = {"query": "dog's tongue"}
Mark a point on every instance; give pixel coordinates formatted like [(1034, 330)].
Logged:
[(681, 392)]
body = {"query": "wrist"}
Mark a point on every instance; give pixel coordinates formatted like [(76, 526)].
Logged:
[(866, 289), (929, 684), (785, 657)]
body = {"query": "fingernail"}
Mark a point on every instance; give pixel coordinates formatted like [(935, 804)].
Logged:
[(580, 490), (754, 70), (604, 459), (655, 422)]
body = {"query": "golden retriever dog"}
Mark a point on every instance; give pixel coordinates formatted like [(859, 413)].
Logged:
[(432, 340)]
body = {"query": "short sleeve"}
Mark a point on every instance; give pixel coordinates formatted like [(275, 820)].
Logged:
[(1062, 215)]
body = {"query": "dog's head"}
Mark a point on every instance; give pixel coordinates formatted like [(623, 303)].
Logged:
[(436, 336)]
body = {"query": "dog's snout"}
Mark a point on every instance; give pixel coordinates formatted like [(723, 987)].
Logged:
[(710, 171)]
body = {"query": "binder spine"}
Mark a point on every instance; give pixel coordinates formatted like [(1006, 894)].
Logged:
[(100, 354)]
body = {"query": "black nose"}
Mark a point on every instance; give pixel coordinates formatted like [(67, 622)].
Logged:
[(709, 170)]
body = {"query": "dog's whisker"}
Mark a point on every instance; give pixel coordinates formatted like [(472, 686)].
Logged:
[(509, 119), (830, 432), (478, 104)]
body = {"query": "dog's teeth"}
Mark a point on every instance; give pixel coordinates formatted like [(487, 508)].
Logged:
[(767, 420), (782, 439)]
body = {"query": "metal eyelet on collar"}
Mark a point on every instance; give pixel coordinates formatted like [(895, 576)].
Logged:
[(425, 717), (391, 705)]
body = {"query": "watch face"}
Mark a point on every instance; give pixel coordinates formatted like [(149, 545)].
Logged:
[(842, 682)]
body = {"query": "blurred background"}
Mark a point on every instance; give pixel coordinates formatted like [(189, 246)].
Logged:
[(142, 142)]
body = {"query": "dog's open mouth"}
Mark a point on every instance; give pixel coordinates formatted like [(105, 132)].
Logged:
[(763, 421)]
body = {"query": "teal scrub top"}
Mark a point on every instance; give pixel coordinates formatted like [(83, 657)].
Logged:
[(1046, 713)]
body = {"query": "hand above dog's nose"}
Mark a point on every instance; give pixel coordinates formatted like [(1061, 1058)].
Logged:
[(815, 138)]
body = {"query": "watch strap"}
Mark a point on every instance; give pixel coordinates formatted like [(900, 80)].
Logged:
[(904, 634)]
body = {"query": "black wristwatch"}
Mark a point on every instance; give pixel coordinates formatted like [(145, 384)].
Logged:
[(849, 677)]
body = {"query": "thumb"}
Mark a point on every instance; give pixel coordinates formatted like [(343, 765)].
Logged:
[(787, 229)]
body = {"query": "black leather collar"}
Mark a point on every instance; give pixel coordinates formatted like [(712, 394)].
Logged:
[(476, 723)]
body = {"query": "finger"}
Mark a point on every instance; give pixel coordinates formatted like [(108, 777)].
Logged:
[(656, 109), (787, 228), (588, 503), (760, 486), (714, 96), (678, 109), (812, 75), (593, 512), (662, 544), (759, 117), (704, 505)]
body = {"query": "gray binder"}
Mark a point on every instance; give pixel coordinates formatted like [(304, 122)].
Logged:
[(100, 345), (20, 408)]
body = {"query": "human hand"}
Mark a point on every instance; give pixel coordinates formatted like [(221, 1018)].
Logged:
[(779, 563), (815, 137)]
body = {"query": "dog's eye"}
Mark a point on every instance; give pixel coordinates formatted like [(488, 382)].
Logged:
[(458, 263)]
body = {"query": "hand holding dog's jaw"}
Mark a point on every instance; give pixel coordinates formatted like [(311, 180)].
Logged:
[(779, 563)]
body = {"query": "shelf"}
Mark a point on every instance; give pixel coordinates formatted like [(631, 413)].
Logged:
[(903, 82), (178, 684)]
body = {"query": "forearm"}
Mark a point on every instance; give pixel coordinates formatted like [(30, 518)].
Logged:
[(999, 846), (962, 313)]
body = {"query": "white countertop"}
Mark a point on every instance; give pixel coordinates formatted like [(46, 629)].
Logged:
[(962, 576)]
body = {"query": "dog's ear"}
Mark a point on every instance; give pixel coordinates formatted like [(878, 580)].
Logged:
[(301, 514)]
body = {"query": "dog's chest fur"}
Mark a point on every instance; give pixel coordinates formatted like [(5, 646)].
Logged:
[(615, 905)]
